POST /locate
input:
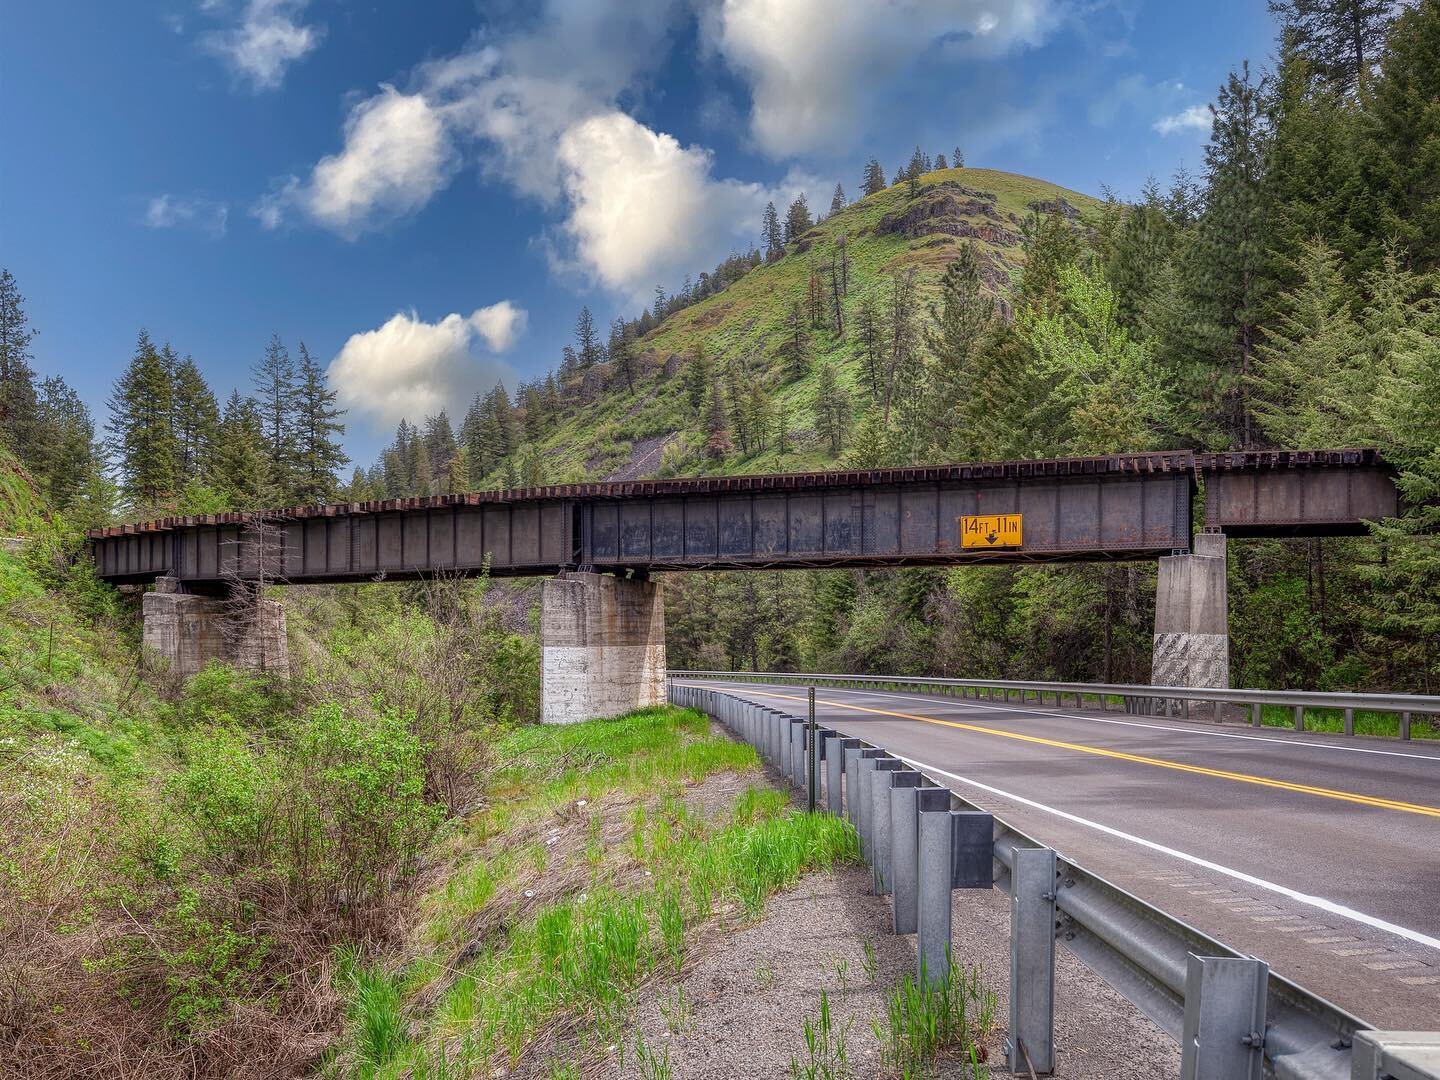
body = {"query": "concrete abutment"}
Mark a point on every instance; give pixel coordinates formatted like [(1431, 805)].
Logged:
[(1192, 618), (602, 642), (185, 631)]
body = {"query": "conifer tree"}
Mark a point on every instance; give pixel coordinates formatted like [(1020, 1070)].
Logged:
[(1140, 248), (587, 341), (837, 200), (795, 347), (797, 219), (422, 475), (1312, 337), (1341, 39), (142, 438), (275, 387), (318, 454), (737, 384), (698, 376), (815, 299), (17, 379), (772, 235), (196, 418), (717, 426), (832, 408), (441, 446), (869, 336), (760, 417), (622, 355), (960, 325), (63, 454), (238, 464), (957, 159), (873, 180), (940, 162), (1400, 144)]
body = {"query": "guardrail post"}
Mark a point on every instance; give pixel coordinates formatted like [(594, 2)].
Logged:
[(880, 840), (796, 759), (932, 901), (1224, 1028), (1256, 712), (862, 801), (1299, 717), (1032, 962), (850, 766), (1405, 725), (812, 771), (834, 772), (904, 848), (1349, 721)]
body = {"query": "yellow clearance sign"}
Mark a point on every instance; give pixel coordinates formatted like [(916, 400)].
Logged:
[(990, 531)]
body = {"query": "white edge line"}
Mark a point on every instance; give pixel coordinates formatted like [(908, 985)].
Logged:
[(1126, 723), (1328, 906)]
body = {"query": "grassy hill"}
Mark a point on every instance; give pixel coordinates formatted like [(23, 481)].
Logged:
[(627, 435)]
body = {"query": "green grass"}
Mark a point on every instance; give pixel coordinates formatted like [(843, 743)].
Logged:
[(1333, 721), (577, 958), (925, 1020)]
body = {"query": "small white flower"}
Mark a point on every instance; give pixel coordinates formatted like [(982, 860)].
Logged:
[(529, 893)]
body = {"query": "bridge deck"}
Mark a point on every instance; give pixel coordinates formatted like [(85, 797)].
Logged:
[(1126, 506)]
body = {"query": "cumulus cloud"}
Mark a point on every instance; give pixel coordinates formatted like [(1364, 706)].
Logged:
[(813, 65), (538, 107), (1195, 119), (410, 368), (167, 211), (267, 39)]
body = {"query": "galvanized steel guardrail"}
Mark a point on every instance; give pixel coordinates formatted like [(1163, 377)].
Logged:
[(1235, 1019), (1135, 698)]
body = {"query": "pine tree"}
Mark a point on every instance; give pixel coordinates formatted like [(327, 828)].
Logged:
[(238, 462), (760, 418), (196, 418), (275, 387), (961, 322), (737, 385), (873, 180), (1400, 143), (441, 446), (795, 347), (1142, 245), (717, 427), (771, 233), (957, 159), (869, 338), (815, 304), (919, 164), (587, 341), (318, 454), (63, 455), (832, 408), (940, 162), (142, 440), (837, 200), (534, 423), (622, 355), (797, 219), (422, 474), (698, 376), (17, 379), (1341, 39), (1313, 336)]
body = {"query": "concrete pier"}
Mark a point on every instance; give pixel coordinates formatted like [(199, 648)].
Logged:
[(1192, 618), (602, 642), (182, 632)]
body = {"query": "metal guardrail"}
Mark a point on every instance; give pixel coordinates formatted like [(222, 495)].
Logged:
[(1233, 1016), (1135, 698)]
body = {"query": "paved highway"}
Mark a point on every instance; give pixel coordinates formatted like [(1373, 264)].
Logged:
[(1318, 854)]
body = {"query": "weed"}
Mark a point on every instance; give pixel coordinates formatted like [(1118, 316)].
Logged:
[(842, 969), (375, 1014), (764, 975), (564, 1070), (925, 1018), (676, 1011), (652, 1066), (672, 926), (824, 1048), (868, 961)]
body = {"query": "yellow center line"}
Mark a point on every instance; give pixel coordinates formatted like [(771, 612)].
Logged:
[(1120, 755)]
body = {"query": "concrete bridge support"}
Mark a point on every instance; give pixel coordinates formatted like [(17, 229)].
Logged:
[(1192, 618), (602, 642), (185, 631)]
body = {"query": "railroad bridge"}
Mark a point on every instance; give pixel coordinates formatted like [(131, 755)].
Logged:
[(602, 614)]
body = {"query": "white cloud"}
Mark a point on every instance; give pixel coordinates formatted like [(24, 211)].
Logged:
[(538, 109), (1194, 119), (814, 65), (167, 211), (268, 39), (409, 368)]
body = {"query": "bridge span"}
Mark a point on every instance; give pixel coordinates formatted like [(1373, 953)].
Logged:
[(603, 620)]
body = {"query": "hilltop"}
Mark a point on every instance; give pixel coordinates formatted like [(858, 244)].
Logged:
[(617, 433)]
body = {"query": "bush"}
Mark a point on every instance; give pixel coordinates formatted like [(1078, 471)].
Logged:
[(353, 805), (228, 790)]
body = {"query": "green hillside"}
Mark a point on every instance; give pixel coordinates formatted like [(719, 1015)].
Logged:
[(628, 435)]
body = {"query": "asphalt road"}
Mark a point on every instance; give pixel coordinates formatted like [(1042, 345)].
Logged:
[(1319, 854)]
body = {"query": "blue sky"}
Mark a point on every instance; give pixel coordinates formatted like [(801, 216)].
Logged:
[(426, 193)]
